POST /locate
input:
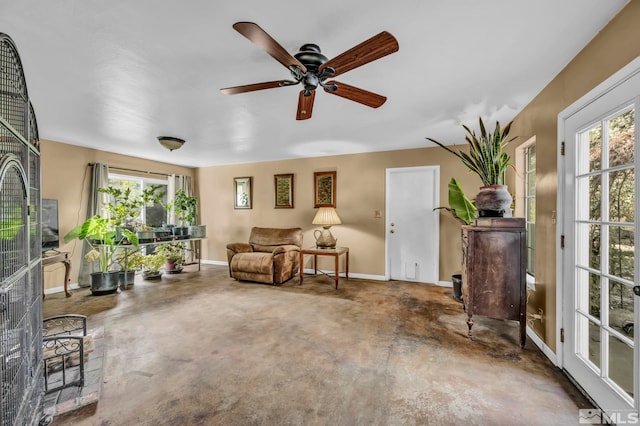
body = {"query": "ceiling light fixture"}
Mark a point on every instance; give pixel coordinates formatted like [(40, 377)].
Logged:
[(170, 142)]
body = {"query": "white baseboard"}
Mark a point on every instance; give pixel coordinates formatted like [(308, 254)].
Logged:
[(214, 262), (445, 284), (351, 275), (60, 289), (543, 347)]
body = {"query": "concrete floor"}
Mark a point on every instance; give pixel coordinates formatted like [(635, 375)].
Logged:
[(200, 348)]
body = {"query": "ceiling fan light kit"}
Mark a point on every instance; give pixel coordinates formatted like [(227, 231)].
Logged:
[(311, 68), (170, 142)]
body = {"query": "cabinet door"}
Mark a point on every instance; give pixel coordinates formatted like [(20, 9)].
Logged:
[(494, 274)]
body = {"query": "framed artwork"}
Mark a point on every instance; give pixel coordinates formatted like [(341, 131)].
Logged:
[(324, 189), (283, 191), (242, 194)]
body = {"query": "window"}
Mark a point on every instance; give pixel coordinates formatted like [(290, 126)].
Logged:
[(526, 200), (530, 205), (153, 215)]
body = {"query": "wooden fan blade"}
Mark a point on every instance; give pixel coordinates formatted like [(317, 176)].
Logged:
[(259, 37), (256, 86), (376, 47), (357, 95), (305, 105)]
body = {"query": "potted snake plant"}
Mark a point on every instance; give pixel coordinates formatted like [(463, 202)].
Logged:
[(489, 161)]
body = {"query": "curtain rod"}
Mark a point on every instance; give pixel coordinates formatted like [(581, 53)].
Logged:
[(137, 171)]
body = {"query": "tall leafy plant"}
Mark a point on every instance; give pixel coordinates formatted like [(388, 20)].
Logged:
[(186, 208), (461, 207), (486, 157), (102, 238)]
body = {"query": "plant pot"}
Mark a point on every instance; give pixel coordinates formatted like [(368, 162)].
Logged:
[(104, 282), (145, 236), (181, 232), (162, 235), (171, 267), (151, 275), (457, 286), (126, 278), (198, 231), (494, 201)]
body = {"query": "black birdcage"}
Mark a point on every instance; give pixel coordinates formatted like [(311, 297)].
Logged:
[(21, 369)]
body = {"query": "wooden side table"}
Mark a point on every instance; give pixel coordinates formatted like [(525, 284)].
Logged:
[(58, 257), (335, 252)]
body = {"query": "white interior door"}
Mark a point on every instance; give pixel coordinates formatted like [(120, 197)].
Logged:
[(412, 226), (600, 197)]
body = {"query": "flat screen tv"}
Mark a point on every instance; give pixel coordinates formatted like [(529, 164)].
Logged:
[(50, 233)]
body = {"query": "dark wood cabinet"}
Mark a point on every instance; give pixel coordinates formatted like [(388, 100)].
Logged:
[(494, 270)]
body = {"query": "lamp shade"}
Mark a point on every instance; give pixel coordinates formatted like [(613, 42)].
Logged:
[(170, 142), (326, 216)]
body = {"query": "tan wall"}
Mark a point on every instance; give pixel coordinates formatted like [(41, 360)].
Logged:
[(66, 177), (360, 191), (614, 47)]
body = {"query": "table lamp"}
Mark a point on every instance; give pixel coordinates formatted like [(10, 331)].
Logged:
[(325, 216)]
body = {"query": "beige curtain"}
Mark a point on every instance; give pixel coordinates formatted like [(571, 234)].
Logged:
[(176, 183), (96, 205)]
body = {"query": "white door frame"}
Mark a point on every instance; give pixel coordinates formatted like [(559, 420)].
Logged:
[(628, 71), (436, 198)]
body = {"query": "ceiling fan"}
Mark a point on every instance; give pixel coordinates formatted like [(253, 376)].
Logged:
[(311, 68)]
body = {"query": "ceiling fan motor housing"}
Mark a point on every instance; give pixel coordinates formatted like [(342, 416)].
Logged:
[(310, 56)]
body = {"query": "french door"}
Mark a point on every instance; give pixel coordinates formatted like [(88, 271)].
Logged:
[(600, 278)]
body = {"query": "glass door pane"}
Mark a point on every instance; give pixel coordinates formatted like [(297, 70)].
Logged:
[(605, 250)]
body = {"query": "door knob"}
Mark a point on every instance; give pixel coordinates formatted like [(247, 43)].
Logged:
[(636, 290)]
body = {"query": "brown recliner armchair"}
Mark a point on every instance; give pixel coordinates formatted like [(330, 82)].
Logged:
[(271, 256)]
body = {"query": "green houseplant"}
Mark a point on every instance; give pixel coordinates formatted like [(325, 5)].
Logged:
[(460, 207), (125, 206), (173, 254), (101, 237), (151, 264), (488, 160), (186, 209)]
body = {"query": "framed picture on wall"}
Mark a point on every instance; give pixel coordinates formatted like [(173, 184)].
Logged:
[(283, 185), (242, 194), (324, 189)]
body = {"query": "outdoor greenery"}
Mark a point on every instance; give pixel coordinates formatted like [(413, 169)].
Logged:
[(125, 204), (486, 157), (614, 166)]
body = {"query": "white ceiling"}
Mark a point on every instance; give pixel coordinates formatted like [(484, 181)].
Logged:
[(113, 75)]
